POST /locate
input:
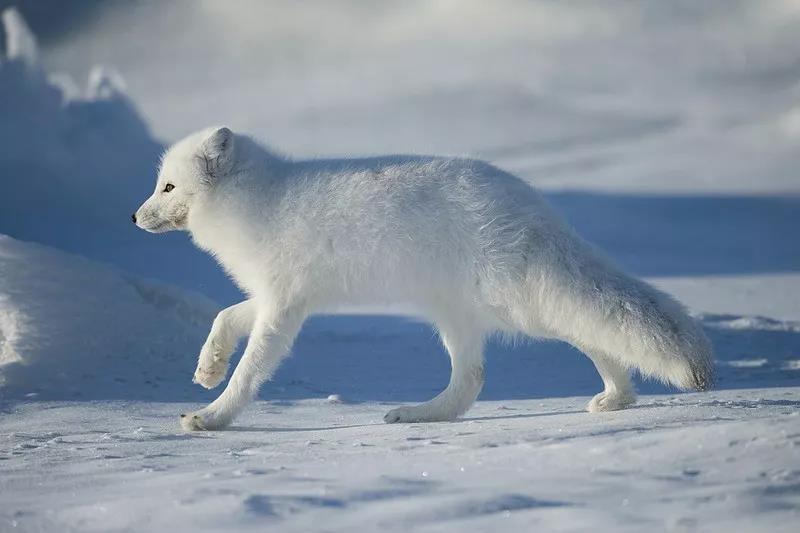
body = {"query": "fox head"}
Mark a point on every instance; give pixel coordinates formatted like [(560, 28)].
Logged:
[(189, 169)]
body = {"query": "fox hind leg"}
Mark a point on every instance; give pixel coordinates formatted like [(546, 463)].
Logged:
[(618, 390), (464, 342)]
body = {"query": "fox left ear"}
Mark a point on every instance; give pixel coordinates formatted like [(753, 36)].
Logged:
[(217, 152)]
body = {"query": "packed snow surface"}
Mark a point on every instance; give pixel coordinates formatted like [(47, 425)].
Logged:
[(723, 461)]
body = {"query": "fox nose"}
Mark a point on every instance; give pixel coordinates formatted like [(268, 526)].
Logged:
[(133, 218)]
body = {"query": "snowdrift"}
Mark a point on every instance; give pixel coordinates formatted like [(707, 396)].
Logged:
[(71, 328), (74, 165), (71, 162)]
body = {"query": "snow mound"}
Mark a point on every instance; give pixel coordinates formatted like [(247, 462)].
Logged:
[(75, 163), (71, 165), (73, 328)]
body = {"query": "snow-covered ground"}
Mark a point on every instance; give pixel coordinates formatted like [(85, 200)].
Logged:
[(666, 133), (723, 461)]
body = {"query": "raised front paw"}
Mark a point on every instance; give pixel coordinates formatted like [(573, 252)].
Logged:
[(204, 420), (210, 377), (211, 369)]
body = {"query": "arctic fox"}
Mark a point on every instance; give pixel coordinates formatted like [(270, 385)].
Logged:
[(474, 248)]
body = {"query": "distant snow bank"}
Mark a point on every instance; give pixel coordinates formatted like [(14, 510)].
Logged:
[(76, 162), (73, 165), (650, 98), (71, 161), (71, 326)]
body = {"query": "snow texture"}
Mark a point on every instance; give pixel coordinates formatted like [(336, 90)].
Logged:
[(685, 175), (73, 327), (722, 461)]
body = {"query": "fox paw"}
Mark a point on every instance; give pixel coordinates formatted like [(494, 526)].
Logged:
[(203, 420), (610, 401), (210, 371)]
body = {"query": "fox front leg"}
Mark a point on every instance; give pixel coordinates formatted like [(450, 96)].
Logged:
[(229, 327)]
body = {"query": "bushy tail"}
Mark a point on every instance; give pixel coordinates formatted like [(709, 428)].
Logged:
[(599, 309), (649, 331), (658, 338)]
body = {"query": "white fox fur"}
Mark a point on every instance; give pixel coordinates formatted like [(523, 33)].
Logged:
[(474, 248)]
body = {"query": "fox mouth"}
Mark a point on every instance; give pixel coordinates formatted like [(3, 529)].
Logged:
[(160, 227)]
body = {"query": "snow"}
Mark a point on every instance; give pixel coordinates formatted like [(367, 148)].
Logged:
[(723, 461), (666, 135), (772, 295), (75, 165), (73, 328)]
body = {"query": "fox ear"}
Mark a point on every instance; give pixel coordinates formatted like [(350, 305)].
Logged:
[(216, 152)]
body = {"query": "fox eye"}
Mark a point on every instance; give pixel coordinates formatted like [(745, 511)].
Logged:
[(169, 187)]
